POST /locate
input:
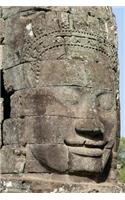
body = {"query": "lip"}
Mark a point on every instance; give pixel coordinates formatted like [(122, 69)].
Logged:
[(88, 148), (84, 151), (82, 142), (93, 144)]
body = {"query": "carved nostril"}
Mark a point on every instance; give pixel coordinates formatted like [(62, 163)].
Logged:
[(89, 132)]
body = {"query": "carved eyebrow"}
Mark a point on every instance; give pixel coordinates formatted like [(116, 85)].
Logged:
[(104, 91), (68, 85)]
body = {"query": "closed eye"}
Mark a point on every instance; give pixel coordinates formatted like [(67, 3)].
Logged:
[(105, 101)]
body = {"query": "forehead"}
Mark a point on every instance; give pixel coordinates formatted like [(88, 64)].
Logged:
[(88, 70)]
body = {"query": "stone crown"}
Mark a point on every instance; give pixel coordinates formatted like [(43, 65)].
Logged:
[(78, 40)]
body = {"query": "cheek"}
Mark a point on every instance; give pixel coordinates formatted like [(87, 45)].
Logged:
[(109, 120), (51, 129)]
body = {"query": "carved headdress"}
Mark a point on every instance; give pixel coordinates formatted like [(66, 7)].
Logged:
[(68, 31)]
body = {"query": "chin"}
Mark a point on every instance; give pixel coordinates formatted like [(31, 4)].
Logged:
[(93, 161), (78, 163)]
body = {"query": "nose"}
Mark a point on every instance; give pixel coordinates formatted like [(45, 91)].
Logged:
[(89, 128), (90, 125)]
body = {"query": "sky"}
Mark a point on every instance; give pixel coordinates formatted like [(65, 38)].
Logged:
[(120, 20)]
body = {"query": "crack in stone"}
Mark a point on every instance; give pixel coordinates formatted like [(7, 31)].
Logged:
[(64, 116)]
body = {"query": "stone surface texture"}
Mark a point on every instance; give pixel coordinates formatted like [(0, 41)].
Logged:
[(60, 116), (47, 183)]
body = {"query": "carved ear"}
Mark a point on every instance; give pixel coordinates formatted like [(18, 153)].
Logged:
[(51, 156)]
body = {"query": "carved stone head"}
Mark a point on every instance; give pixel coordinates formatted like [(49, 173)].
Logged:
[(69, 115), (79, 113)]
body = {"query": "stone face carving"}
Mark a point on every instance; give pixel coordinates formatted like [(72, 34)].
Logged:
[(64, 80)]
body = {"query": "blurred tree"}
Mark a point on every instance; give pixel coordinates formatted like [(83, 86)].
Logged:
[(121, 160)]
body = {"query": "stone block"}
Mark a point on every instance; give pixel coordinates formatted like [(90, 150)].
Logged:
[(9, 11), (2, 24), (94, 18), (1, 56), (60, 73), (84, 163), (32, 164), (1, 120), (51, 101), (54, 73), (19, 77), (14, 41), (12, 159), (23, 41), (61, 101), (14, 186), (1, 136), (54, 157), (39, 130), (50, 183), (14, 132)]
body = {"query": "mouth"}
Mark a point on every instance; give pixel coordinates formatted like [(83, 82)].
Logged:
[(88, 148), (84, 151), (87, 154)]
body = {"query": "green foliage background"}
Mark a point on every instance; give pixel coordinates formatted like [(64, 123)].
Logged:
[(121, 160)]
